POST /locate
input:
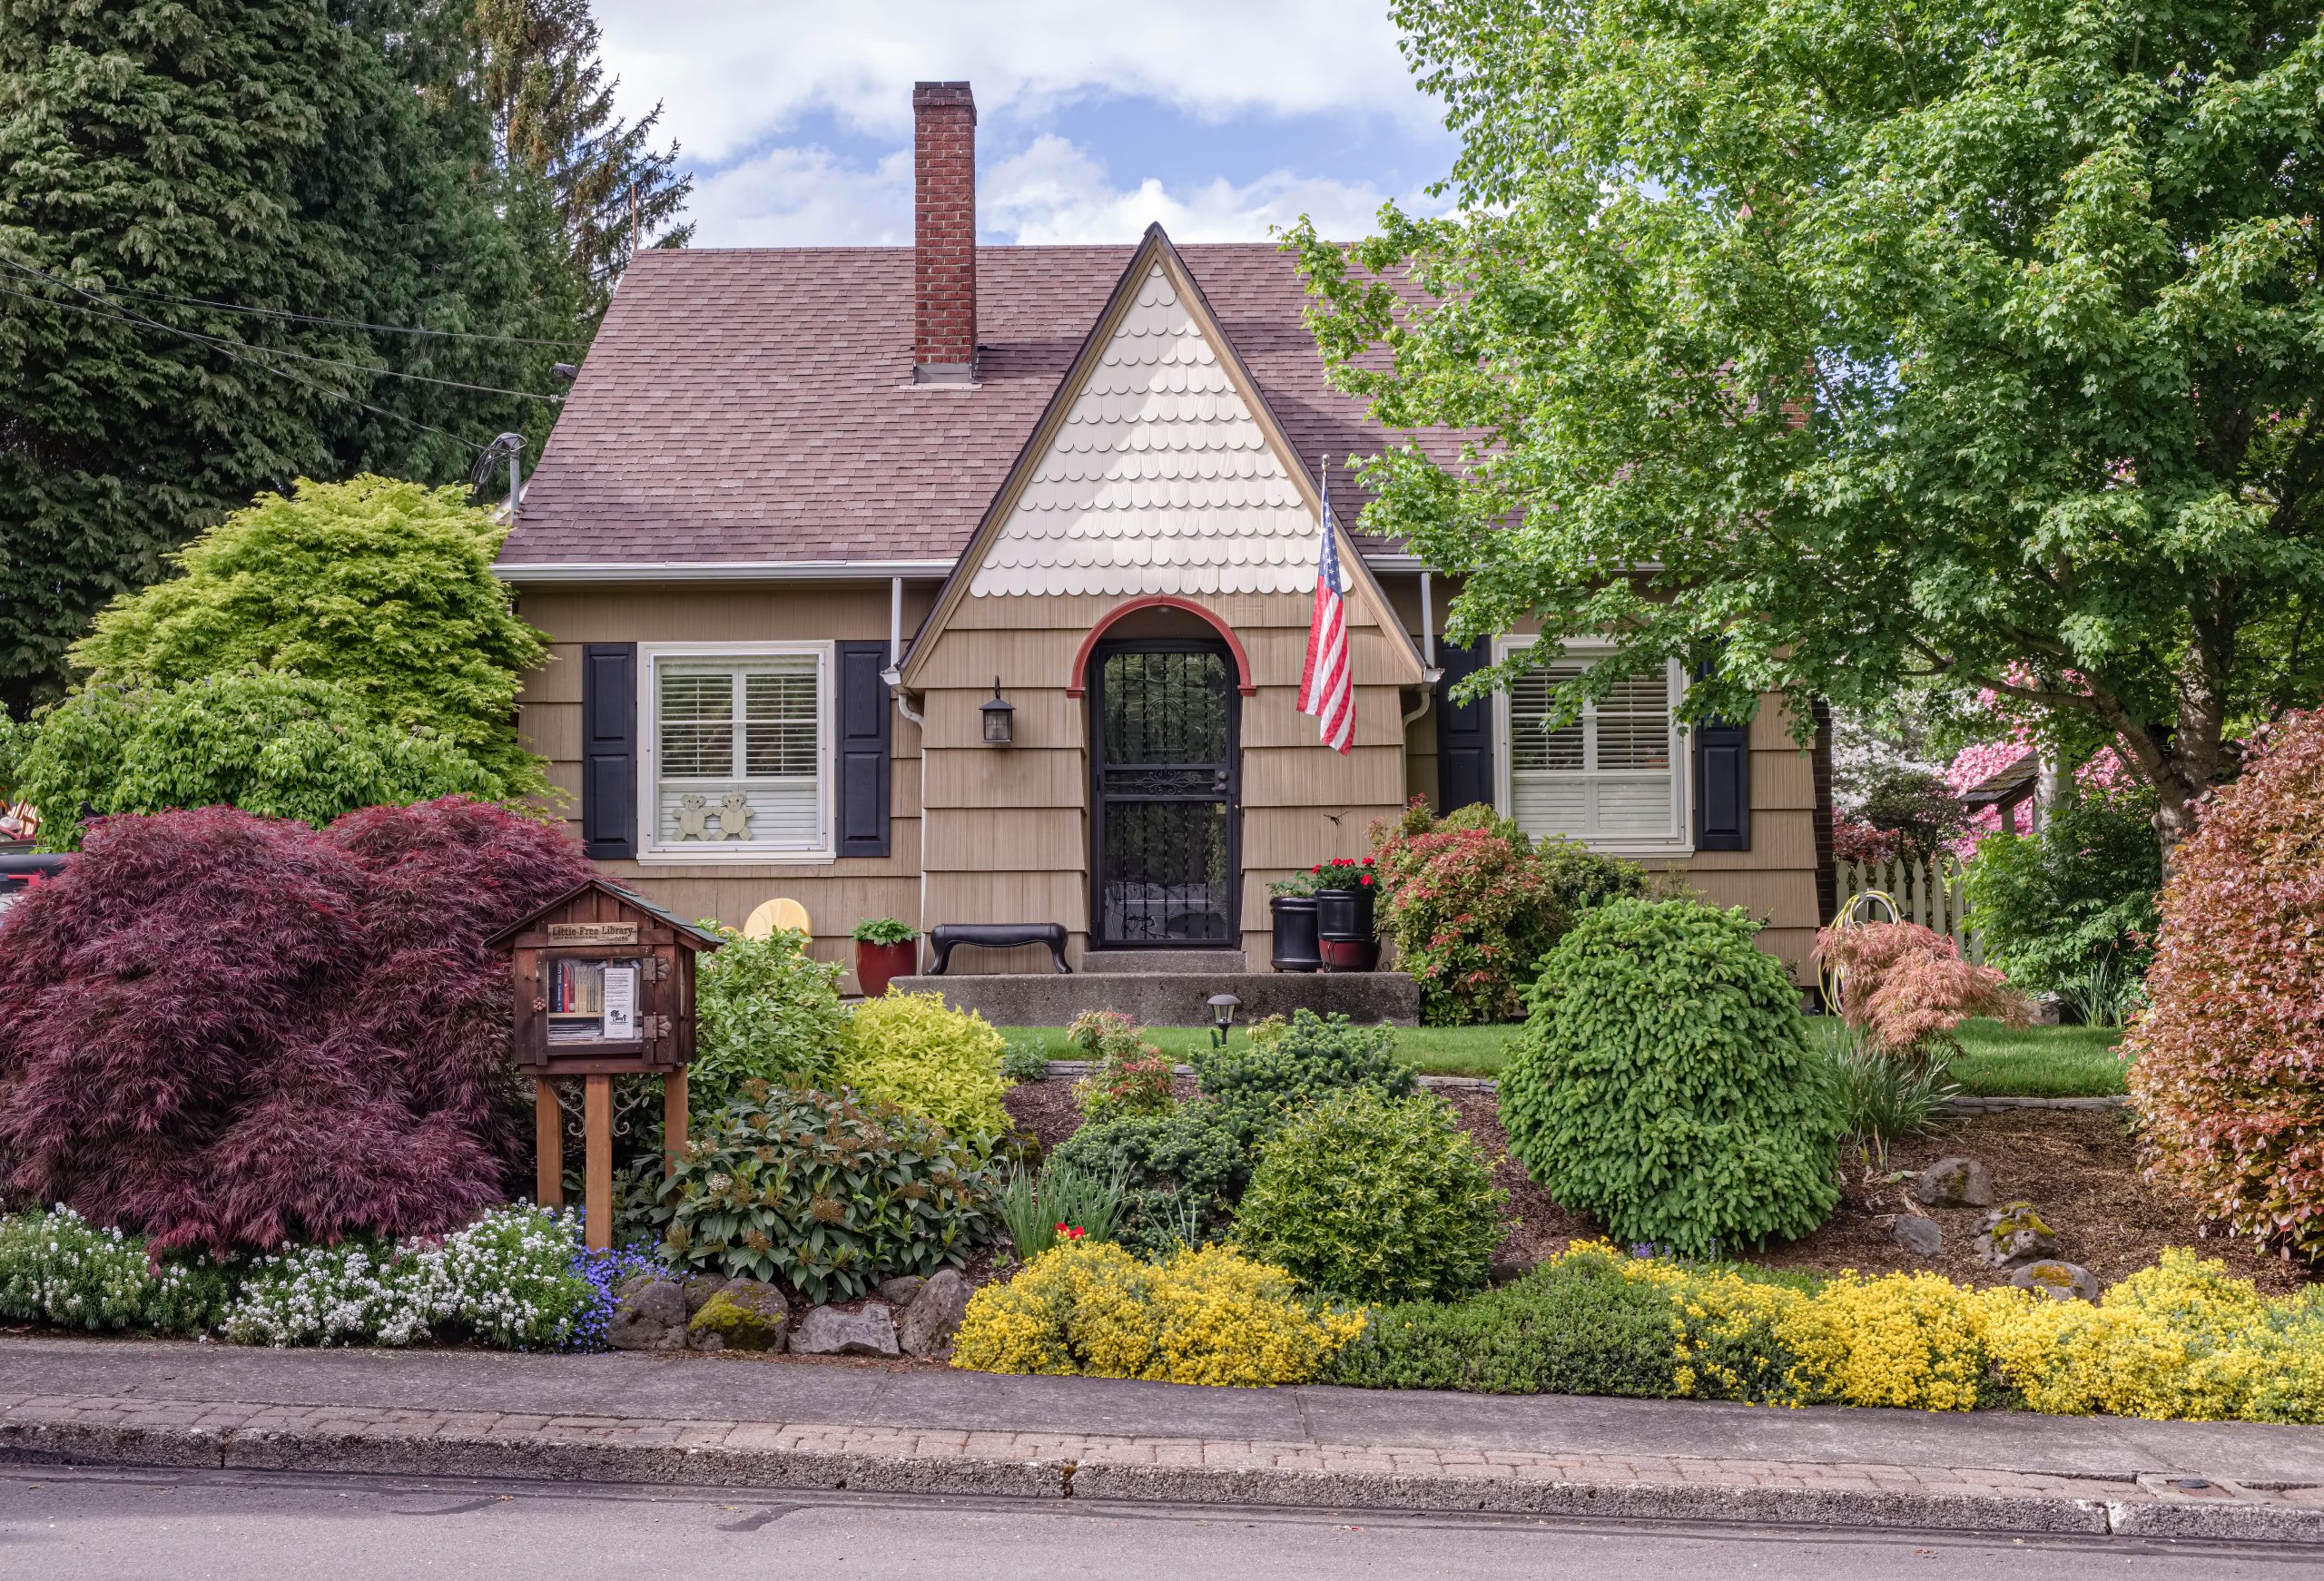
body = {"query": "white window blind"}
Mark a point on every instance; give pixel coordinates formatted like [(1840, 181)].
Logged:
[(738, 753), (1610, 778)]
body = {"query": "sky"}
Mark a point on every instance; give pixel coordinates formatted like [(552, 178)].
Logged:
[(1221, 119)]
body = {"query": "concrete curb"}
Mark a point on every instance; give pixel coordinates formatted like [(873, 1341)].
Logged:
[(2228, 1514)]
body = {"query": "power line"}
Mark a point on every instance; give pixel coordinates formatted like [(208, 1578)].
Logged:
[(125, 315), (322, 389)]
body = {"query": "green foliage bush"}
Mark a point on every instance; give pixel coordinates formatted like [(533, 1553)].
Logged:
[(1127, 1074), (1574, 1326), (1367, 1198), (765, 1009), (382, 586), (276, 745), (2076, 897), (912, 1050), (1472, 904), (1192, 1162), (1286, 1063), (828, 1193), (1665, 1082), (56, 1267), (1022, 1061)]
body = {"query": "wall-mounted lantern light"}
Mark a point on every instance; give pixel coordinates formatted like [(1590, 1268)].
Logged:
[(999, 716)]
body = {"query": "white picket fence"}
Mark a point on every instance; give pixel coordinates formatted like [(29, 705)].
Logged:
[(1929, 893)]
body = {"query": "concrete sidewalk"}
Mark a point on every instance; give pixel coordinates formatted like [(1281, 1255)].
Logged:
[(735, 1421)]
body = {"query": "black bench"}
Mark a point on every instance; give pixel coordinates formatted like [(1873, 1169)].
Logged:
[(995, 935)]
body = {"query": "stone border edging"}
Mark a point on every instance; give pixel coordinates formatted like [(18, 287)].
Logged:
[(116, 1430), (1068, 1069)]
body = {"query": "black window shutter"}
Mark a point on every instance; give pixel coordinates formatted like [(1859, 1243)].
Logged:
[(609, 750), (1722, 786), (863, 769), (1463, 733)]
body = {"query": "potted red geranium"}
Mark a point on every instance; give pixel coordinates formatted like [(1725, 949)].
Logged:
[(885, 950)]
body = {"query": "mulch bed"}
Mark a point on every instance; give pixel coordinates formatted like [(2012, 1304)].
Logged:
[(2078, 1167)]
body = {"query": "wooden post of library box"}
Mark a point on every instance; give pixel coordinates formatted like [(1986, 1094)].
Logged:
[(604, 983)]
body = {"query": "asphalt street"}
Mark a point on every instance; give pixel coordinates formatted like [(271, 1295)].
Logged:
[(129, 1526)]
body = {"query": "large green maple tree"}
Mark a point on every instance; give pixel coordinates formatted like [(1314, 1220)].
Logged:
[(1837, 345)]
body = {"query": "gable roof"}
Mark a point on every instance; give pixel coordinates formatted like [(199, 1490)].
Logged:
[(746, 407), (693, 935), (1155, 253)]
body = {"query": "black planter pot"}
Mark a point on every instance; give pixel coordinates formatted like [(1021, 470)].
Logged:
[(1294, 949), (1344, 914)]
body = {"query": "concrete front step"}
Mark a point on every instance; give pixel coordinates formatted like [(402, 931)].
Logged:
[(1174, 999), (1175, 962)]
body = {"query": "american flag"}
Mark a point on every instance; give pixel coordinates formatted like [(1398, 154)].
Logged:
[(1327, 688)]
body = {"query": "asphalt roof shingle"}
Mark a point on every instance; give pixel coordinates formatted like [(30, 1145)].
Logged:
[(757, 405)]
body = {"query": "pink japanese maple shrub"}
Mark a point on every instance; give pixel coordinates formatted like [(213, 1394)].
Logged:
[(226, 1031), (2227, 1061), (1906, 988)]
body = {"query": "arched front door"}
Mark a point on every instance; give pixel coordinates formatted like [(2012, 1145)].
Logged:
[(1166, 858)]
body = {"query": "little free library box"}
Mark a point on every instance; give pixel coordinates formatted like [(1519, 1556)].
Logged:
[(603, 982)]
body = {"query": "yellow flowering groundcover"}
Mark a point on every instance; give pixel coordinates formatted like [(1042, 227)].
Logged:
[(2180, 1339), (1204, 1315)]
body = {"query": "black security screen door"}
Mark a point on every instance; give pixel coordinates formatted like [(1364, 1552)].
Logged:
[(1163, 728)]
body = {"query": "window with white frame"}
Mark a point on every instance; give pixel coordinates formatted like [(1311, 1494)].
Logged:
[(738, 760), (1615, 778)]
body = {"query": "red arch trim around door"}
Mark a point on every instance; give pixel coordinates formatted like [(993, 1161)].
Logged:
[(1076, 684)]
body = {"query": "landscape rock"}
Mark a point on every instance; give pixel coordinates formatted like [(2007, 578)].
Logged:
[(898, 1291), (1918, 1235), (650, 1316), (1508, 1270), (934, 1315), (2015, 1235), (1954, 1183), (743, 1314), (701, 1287), (829, 1331), (2062, 1282)]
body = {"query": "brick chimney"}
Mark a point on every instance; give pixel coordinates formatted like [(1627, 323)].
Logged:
[(944, 233)]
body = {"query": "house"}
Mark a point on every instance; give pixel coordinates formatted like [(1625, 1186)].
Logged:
[(809, 513)]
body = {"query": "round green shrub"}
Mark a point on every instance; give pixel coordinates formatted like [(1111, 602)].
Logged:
[(1370, 1198), (826, 1193), (912, 1050), (1664, 1083), (765, 1009), (1288, 1063)]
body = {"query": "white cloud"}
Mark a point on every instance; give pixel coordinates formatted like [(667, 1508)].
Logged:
[(804, 197), (1055, 192), (731, 74)]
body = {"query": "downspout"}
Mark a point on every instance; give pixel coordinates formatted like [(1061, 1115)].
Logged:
[(894, 675), (1428, 691)]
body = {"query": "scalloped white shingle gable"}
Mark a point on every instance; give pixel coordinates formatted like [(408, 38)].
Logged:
[(1159, 480)]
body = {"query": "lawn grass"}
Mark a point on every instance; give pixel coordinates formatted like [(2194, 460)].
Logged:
[(2038, 1061)]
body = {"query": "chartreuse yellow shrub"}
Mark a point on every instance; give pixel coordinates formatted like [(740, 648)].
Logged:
[(1204, 1315), (919, 1053), (2181, 1339)]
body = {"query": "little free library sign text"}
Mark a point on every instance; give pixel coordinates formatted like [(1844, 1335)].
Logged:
[(603, 982)]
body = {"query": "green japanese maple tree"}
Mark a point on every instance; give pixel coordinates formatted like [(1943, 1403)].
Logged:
[(1836, 344)]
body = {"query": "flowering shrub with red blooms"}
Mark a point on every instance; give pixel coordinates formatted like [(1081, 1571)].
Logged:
[(1906, 988), (227, 1032), (1471, 905), (2227, 1062)]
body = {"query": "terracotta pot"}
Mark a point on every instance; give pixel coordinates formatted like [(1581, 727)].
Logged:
[(876, 964), (1344, 914), (1351, 955), (1293, 949)]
